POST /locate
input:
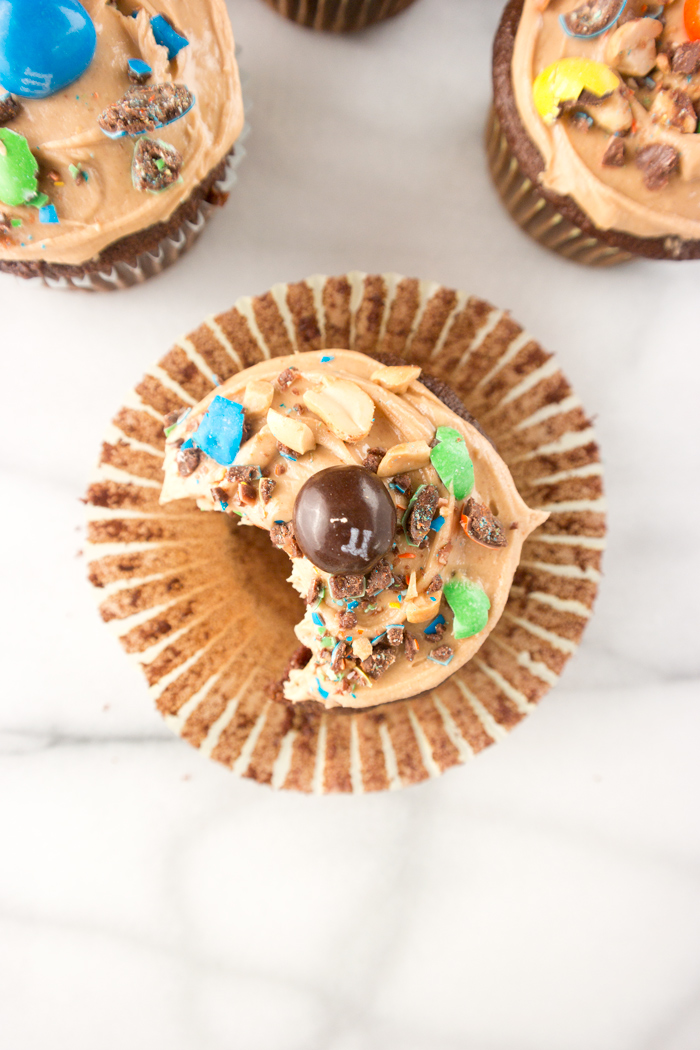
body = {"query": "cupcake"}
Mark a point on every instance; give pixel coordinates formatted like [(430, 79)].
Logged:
[(591, 140), (117, 146), (338, 16), (331, 577)]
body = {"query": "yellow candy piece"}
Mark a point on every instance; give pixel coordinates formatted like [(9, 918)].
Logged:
[(566, 79)]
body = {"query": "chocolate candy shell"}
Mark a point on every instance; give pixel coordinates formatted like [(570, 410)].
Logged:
[(205, 609)]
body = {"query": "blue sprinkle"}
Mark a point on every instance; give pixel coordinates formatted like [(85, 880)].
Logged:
[(375, 640), (223, 504), (215, 379), (280, 522), (292, 459), (432, 597), (322, 691), (166, 36), (353, 605), (349, 638), (48, 215), (434, 624), (220, 431), (140, 68), (437, 524), (317, 620), (401, 597), (326, 358)]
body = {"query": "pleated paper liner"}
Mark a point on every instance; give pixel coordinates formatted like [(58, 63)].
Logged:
[(535, 214), (204, 608), (338, 16)]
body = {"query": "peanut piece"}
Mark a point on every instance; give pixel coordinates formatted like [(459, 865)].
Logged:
[(396, 378), (409, 455), (419, 609), (260, 450), (631, 49), (362, 648), (344, 407), (291, 432), (257, 397)]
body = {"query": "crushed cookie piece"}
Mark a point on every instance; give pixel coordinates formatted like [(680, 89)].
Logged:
[(435, 585), (282, 537), (581, 120), (592, 17), (614, 156), (217, 493), (243, 473), (435, 631), (266, 488), (171, 419), (686, 58), (443, 654), (479, 523), (394, 636), (399, 582), (315, 592), (348, 586), (247, 493), (402, 482), (144, 109), (280, 469), (155, 166), (373, 459), (10, 107), (379, 579), (284, 450), (339, 655), (286, 378), (138, 71), (410, 647), (348, 621), (378, 663), (422, 513), (673, 108), (657, 163), (188, 459), (247, 430)]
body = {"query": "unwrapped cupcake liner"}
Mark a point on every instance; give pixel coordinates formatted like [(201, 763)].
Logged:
[(339, 16), (203, 605), (537, 216)]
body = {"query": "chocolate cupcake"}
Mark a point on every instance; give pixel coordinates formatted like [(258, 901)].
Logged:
[(338, 16), (591, 140), (432, 617), (113, 155)]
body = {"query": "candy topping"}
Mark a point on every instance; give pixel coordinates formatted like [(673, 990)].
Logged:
[(344, 520), (155, 166), (138, 71), (18, 170), (166, 36), (44, 47), (479, 523), (220, 431), (143, 109), (565, 79), (470, 605), (592, 18), (452, 461)]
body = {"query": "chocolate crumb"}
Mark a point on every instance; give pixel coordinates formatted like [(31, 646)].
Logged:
[(436, 633), (403, 483), (399, 582), (246, 431), (188, 460), (348, 586), (378, 663), (217, 493), (443, 653), (10, 107), (410, 647), (380, 578), (156, 165), (284, 450), (348, 621), (247, 493), (244, 473), (280, 469), (592, 17), (614, 156), (315, 592), (394, 636), (267, 487), (435, 585), (282, 536), (339, 656), (657, 163), (171, 419), (686, 58), (373, 459), (143, 109), (422, 514), (479, 523), (286, 378)]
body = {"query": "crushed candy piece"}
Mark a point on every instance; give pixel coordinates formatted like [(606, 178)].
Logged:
[(138, 71), (266, 488), (347, 586), (410, 647), (378, 663), (657, 163), (188, 459), (434, 625), (373, 459), (245, 473), (316, 593), (10, 107), (18, 170), (686, 58), (144, 109), (614, 156), (470, 605), (592, 18), (419, 515), (348, 621), (380, 578), (479, 523), (220, 430), (156, 165), (282, 536), (48, 215), (443, 655), (77, 173), (166, 36), (452, 461), (394, 635), (286, 378), (566, 79)]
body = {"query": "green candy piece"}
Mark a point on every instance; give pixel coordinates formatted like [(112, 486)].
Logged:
[(470, 605), (18, 170), (451, 459)]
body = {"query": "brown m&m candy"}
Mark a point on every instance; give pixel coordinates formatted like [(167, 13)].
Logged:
[(344, 519)]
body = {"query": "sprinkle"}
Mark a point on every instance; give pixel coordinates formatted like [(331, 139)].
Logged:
[(434, 624), (166, 36), (437, 524), (326, 358), (394, 605), (353, 605), (47, 214), (77, 173), (322, 691), (292, 459), (223, 504), (375, 640), (16, 222), (408, 555), (432, 597), (327, 643), (215, 379), (317, 620)]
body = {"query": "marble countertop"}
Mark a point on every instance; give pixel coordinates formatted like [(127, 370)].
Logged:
[(544, 897)]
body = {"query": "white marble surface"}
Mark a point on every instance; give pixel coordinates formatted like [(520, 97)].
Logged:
[(545, 897)]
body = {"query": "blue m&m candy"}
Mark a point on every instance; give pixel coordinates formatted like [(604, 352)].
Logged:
[(44, 45)]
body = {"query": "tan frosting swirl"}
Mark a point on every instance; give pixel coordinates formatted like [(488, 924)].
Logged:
[(613, 197), (398, 417), (62, 130)]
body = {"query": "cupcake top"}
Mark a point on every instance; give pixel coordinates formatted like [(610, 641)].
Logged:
[(607, 90), (403, 524), (118, 149)]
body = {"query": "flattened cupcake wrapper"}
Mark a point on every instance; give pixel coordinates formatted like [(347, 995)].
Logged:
[(338, 16), (204, 606), (535, 214)]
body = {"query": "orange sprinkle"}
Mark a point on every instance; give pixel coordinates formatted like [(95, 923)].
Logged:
[(406, 555)]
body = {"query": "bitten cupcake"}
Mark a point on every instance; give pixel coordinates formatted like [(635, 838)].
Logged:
[(339, 16), (361, 602), (117, 126), (592, 139)]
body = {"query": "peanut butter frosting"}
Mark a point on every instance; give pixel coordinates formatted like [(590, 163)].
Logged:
[(87, 175), (396, 626), (598, 151)]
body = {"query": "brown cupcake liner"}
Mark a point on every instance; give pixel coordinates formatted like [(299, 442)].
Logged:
[(338, 16), (167, 575)]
